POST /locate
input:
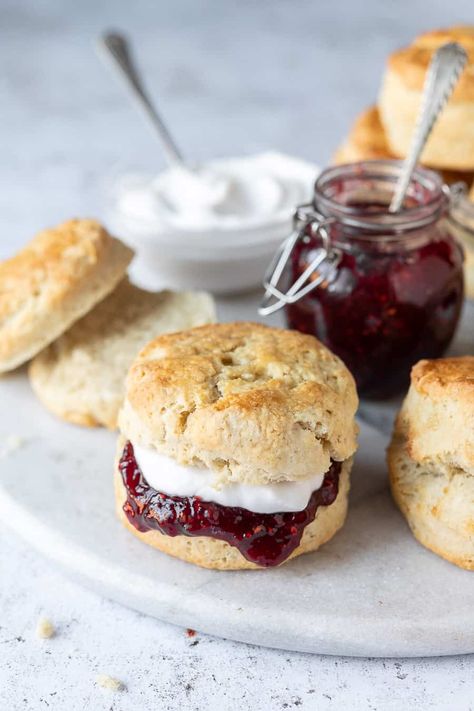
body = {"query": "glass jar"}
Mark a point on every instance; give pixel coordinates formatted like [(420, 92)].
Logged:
[(381, 290), (461, 224)]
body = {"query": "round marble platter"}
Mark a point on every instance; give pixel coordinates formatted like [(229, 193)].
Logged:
[(372, 591)]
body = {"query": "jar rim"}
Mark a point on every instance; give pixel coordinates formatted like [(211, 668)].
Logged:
[(387, 171)]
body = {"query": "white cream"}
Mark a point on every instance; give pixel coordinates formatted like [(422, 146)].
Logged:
[(220, 196), (167, 476)]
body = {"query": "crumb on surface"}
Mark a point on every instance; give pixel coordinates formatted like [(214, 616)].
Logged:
[(190, 632), (45, 628), (10, 444), (109, 682)]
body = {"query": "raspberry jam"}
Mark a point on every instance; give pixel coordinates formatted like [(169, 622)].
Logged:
[(396, 293), (264, 539)]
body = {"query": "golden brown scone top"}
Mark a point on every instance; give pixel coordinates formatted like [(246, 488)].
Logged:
[(437, 416), (54, 262), (253, 403), (445, 377), (411, 63)]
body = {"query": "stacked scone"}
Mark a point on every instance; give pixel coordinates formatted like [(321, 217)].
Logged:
[(451, 143), (431, 458), (66, 302), (236, 445), (385, 131)]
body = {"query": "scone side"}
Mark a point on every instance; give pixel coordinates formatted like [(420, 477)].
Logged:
[(78, 413), (447, 147), (426, 526)]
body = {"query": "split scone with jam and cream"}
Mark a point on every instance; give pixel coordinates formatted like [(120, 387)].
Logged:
[(431, 458), (236, 445)]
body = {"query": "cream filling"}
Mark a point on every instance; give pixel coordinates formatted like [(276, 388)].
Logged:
[(167, 476), (218, 197)]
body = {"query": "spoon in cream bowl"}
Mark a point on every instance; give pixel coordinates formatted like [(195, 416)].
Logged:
[(208, 188)]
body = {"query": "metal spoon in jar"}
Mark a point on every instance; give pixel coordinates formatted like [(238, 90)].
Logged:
[(443, 73)]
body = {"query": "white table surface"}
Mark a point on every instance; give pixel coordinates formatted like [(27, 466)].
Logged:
[(233, 77)]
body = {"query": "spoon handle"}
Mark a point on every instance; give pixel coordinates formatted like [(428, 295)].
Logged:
[(117, 48), (441, 78)]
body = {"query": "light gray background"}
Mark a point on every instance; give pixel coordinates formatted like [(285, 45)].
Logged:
[(232, 77)]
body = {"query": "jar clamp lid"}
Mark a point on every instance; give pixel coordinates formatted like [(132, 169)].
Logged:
[(304, 218), (315, 220)]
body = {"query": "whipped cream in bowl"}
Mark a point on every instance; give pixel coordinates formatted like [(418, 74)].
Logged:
[(214, 227)]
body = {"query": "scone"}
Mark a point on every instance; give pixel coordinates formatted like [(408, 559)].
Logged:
[(236, 445), (57, 278), (366, 139), (431, 458), (81, 376), (451, 144)]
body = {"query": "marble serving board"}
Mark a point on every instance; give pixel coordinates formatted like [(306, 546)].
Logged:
[(372, 591)]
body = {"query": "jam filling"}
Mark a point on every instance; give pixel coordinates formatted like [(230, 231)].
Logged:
[(264, 539)]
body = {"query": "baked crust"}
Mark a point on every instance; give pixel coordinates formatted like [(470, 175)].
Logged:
[(53, 281), (437, 415), (81, 376), (366, 139), (411, 63), (445, 378), (254, 404), (438, 505), (451, 144), (431, 457), (219, 555)]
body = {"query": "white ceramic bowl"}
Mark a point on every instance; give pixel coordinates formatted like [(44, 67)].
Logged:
[(234, 261)]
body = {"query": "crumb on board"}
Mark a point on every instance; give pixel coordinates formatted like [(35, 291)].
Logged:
[(109, 682), (11, 444), (190, 632), (45, 628)]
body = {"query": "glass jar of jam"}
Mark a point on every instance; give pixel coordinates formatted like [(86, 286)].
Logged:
[(381, 290)]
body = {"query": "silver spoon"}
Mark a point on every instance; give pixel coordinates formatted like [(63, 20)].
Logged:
[(441, 78), (116, 47)]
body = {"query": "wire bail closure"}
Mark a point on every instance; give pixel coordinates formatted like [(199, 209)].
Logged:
[(303, 218)]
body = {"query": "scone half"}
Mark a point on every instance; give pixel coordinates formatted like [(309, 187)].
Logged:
[(81, 376), (51, 283), (431, 458), (236, 445)]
